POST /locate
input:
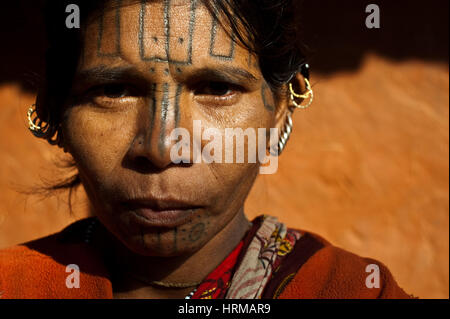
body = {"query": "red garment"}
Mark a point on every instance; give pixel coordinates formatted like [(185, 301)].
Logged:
[(217, 282)]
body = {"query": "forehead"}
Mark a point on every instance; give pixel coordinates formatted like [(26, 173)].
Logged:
[(175, 32)]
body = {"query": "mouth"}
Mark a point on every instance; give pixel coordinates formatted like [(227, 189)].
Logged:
[(159, 213)]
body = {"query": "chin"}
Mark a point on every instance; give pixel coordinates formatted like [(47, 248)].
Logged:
[(137, 246), (147, 240)]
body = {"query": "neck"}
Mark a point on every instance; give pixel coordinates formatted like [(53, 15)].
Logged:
[(135, 273)]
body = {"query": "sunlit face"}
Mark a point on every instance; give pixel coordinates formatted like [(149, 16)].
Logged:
[(147, 69)]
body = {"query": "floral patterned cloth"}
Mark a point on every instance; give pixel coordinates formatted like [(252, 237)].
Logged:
[(247, 270)]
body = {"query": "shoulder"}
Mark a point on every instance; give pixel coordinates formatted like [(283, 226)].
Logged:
[(49, 247), (330, 272), (39, 268)]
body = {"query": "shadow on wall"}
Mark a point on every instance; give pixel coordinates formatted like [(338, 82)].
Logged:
[(338, 39), (334, 33)]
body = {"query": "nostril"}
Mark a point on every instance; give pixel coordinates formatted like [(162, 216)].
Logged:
[(141, 161), (145, 154), (143, 165)]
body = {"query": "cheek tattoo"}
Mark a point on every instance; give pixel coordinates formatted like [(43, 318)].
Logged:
[(265, 91), (252, 62), (182, 238), (194, 234)]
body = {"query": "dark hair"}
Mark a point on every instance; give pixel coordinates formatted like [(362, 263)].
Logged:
[(268, 28)]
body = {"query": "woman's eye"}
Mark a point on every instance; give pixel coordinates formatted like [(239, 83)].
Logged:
[(115, 91), (214, 88), (111, 91)]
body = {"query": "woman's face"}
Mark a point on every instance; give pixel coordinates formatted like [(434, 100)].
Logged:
[(146, 70)]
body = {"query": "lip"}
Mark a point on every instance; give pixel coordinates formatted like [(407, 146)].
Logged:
[(160, 213)]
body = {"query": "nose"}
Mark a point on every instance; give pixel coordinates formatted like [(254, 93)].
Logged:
[(152, 144)]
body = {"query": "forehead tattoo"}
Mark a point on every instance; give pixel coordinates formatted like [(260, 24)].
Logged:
[(101, 39), (175, 46), (212, 47), (181, 44)]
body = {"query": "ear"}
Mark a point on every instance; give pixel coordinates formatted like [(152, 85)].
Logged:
[(283, 99)]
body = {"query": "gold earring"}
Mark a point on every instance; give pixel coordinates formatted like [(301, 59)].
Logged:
[(35, 125), (309, 94), (287, 128)]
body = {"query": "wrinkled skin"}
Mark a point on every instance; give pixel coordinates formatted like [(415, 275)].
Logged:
[(117, 128)]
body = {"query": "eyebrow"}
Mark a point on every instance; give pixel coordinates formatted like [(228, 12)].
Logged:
[(103, 73), (224, 73)]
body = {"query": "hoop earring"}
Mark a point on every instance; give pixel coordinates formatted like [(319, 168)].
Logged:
[(35, 125), (284, 137), (309, 94), (287, 128)]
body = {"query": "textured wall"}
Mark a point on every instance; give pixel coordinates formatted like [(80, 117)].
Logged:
[(366, 166)]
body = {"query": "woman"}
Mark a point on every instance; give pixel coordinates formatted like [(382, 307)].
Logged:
[(167, 225)]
